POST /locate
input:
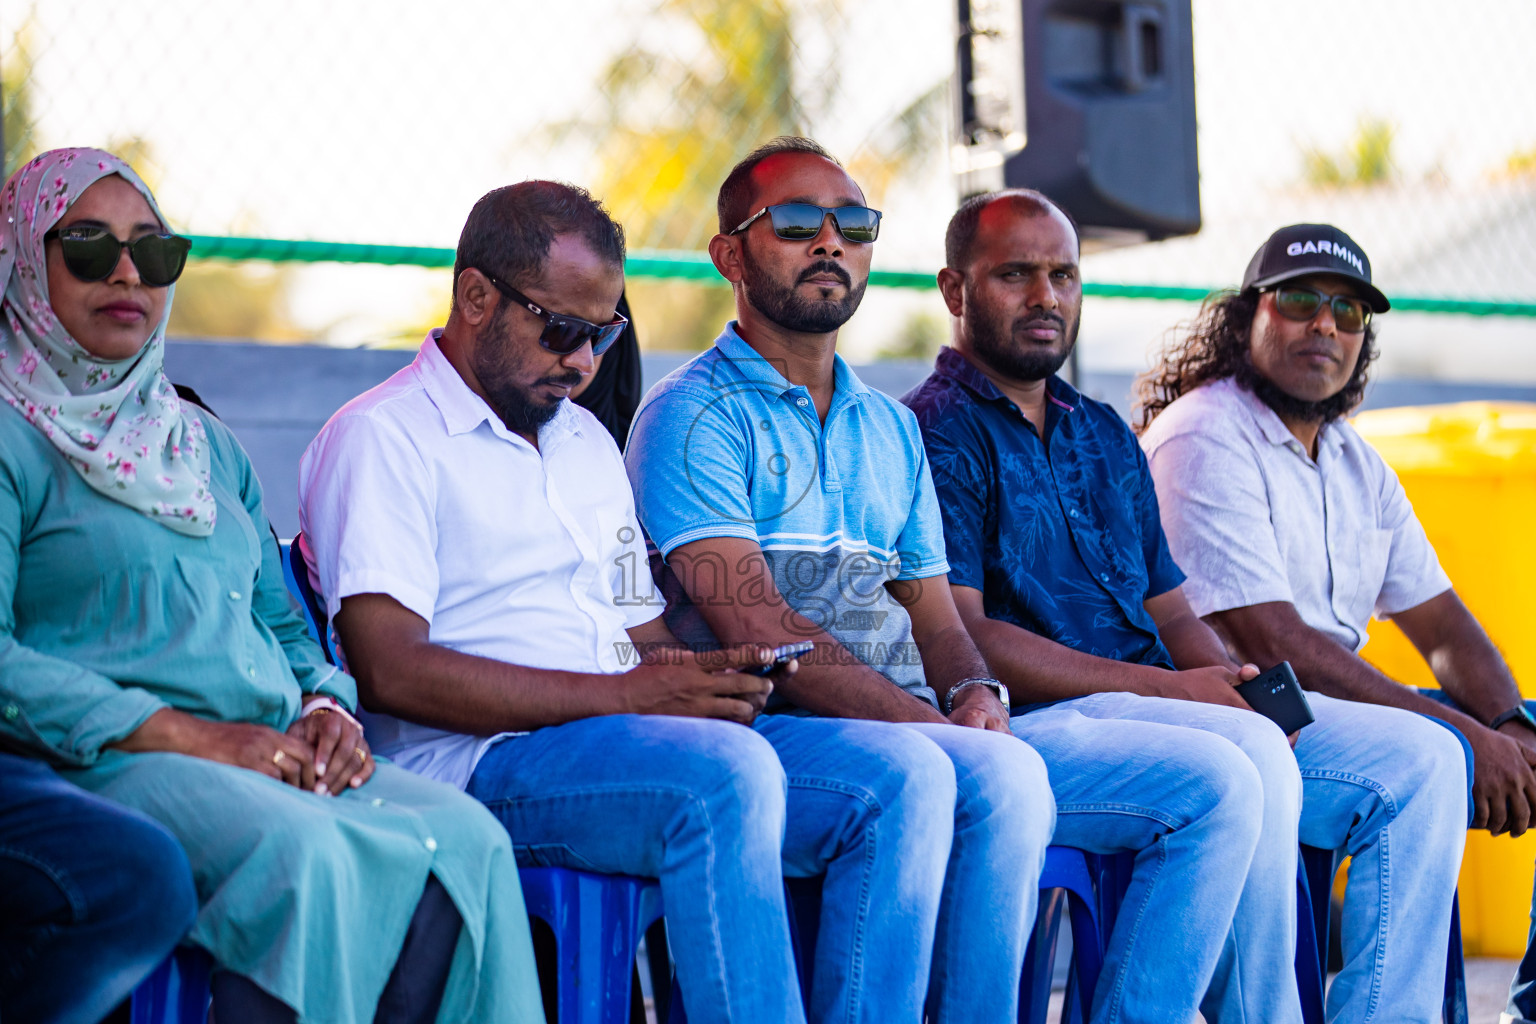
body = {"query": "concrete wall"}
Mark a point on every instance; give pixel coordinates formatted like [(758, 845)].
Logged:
[(277, 397)]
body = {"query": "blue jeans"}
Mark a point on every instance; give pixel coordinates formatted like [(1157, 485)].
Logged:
[(1165, 778), (932, 838), (696, 804), (1389, 788), (92, 897), (1521, 1008), (707, 808)]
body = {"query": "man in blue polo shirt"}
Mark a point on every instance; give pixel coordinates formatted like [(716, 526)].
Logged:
[(1059, 567), (792, 503)]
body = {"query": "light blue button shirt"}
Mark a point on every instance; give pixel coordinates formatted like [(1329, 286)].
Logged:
[(725, 446)]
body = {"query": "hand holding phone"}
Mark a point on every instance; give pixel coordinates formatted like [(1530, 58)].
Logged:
[(781, 657), (1276, 694)]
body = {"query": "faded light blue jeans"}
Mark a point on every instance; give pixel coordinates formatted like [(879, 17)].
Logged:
[(1387, 787), (1181, 785), (932, 838)]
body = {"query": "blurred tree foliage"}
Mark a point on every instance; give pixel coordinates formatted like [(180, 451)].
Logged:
[(217, 298), (1366, 160), (705, 82), (921, 336), (1521, 164), (16, 99)]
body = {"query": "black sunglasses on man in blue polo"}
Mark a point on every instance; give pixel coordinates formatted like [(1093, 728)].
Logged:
[(564, 334), (799, 221)]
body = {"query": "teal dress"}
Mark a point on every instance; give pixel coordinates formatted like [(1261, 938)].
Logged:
[(107, 616)]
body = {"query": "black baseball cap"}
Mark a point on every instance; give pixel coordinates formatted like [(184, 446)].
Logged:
[(1312, 249)]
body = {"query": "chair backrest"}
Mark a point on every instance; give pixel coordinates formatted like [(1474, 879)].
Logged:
[(296, 576)]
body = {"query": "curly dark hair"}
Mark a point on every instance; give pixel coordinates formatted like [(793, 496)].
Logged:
[(1215, 345)]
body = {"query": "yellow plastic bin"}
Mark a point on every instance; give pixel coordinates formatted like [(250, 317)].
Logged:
[(1470, 471)]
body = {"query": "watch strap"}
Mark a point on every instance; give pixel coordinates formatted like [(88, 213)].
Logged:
[(1518, 713), (995, 685)]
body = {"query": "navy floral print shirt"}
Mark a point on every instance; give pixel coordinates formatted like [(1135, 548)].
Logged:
[(1061, 534)]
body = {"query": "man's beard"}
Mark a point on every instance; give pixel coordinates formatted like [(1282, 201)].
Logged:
[(787, 308), (1286, 405), (1021, 360), (497, 373)]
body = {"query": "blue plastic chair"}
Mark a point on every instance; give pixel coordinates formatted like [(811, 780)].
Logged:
[(597, 921), (296, 576), (177, 992), (1089, 888)]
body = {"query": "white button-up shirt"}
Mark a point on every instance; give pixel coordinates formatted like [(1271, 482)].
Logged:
[(532, 556), (1252, 518)]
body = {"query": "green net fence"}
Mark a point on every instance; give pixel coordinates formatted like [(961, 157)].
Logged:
[(329, 152)]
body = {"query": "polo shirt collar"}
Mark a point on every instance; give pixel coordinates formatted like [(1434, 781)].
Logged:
[(463, 411), (1273, 428), (956, 367), (754, 368)]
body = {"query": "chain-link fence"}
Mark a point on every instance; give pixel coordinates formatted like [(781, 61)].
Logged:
[(1410, 123)]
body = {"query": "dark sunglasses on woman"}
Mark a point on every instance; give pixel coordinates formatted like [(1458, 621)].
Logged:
[(1293, 302), (91, 254), (563, 334), (799, 221)]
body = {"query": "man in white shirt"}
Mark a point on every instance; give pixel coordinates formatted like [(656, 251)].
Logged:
[(1293, 531), (475, 538)]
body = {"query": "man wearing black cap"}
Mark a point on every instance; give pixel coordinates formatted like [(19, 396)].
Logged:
[(1294, 531)]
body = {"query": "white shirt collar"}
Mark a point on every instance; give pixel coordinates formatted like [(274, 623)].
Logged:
[(463, 411)]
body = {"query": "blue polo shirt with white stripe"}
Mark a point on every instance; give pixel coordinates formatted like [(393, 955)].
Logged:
[(725, 446)]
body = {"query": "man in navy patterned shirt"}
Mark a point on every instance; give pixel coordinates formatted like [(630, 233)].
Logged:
[(1060, 570)]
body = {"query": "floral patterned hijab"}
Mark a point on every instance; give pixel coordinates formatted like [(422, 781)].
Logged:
[(118, 422)]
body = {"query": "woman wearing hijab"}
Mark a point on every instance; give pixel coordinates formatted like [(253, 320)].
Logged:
[(150, 651)]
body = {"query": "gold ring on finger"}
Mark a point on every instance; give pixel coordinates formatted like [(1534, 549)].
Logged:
[(277, 758), (360, 754)]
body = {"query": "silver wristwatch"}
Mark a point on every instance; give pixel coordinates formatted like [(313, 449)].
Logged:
[(994, 685)]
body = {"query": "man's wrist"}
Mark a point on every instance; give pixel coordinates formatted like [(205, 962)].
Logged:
[(957, 694), (1147, 680)]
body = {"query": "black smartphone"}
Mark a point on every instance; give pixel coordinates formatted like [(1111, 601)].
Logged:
[(1277, 696), (781, 656)]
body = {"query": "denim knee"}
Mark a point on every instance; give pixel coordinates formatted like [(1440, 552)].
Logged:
[(1269, 751), (1004, 778), (918, 779), (1232, 792), (737, 774), (1431, 769)]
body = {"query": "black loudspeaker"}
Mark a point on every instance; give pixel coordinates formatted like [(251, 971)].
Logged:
[(1109, 105)]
